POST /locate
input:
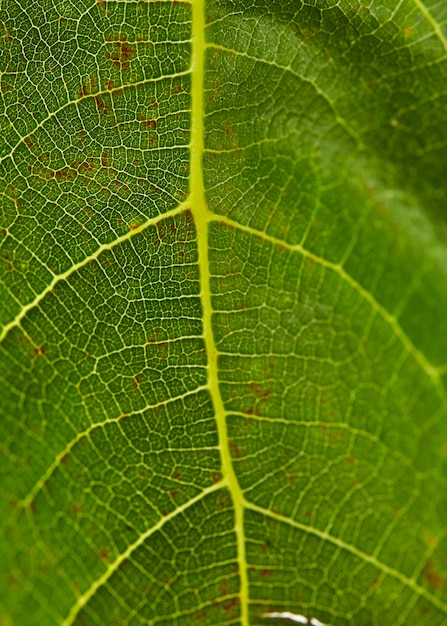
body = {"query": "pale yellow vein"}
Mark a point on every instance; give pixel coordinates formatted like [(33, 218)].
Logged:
[(28, 499), (343, 545), (92, 257), (84, 598), (200, 212), (432, 372), (433, 23)]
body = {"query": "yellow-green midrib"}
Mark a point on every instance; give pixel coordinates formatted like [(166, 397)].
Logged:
[(201, 215)]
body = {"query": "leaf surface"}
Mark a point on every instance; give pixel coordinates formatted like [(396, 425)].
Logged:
[(223, 295)]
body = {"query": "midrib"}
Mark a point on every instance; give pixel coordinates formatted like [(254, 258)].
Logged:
[(201, 217)]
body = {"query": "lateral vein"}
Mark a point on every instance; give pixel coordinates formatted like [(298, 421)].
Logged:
[(84, 598), (92, 257)]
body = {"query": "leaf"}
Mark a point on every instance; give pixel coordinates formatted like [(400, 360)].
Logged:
[(223, 356)]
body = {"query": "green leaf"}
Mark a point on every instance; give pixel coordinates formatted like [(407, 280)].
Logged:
[(223, 301)]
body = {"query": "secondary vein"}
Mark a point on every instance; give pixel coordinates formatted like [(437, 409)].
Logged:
[(57, 278)]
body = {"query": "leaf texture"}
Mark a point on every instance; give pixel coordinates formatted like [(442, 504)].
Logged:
[(223, 291)]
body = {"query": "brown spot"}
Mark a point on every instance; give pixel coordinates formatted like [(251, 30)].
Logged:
[(160, 231), (330, 435), (101, 105), (101, 4), (201, 616), (178, 89), (223, 503), (122, 53), (136, 379), (351, 460), (422, 610), (77, 508), (216, 476), (233, 603), (121, 186), (305, 34), (152, 124), (262, 394), (70, 172), (432, 576), (65, 173), (103, 554), (64, 459), (85, 166), (266, 546), (109, 85), (83, 92), (229, 129), (104, 159), (224, 588), (252, 411), (237, 452), (177, 476), (237, 154), (116, 93), (173, 494), (37, 352), (265, 573)]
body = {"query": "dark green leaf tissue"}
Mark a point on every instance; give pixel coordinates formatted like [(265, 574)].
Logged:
[(223, 312)]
